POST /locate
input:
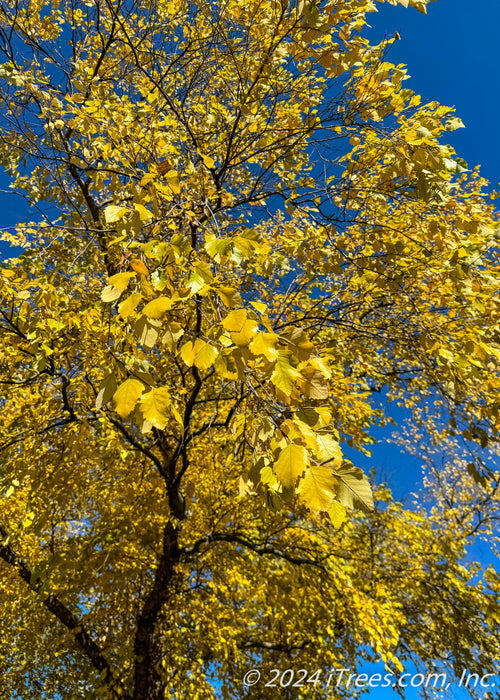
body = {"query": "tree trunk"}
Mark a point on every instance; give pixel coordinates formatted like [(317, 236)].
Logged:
[(148, 684)]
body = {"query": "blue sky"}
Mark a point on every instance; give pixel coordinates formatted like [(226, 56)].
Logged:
[(452, 57)]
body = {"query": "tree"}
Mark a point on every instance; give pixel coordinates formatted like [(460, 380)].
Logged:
[(245, 231)]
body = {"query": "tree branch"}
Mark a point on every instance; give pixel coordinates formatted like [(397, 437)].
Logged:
[(65, 617)]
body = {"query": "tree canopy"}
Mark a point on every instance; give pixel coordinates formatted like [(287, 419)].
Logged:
[(243, 240)]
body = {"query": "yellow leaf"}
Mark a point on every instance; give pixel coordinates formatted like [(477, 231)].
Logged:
[(127, 307), (241, 327), (446, 354), (172, 335), (177, 416), (268, 478), (114, 213), (328, 449), (453, 124), (337, 514), (127, 395), (291, 464), (260, 306), (106, 392), (146, 330), (284, 375), (199, 353), (420, 5), (353, 488), (121, 280), (208, 162), (229, 365), (148, 177), (314, 384), (146, 287), (138, 266), (110, 293), (206, 356), (173, 181), (188, 352), (155, 407), (118, 239), (144, 214), (230, 296), (235, 320), (157, 307), (265, 344), (317, 488)]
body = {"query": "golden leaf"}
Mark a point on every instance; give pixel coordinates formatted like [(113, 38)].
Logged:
[(110, 293), (155, 406), (127, 395), (317, 488), (139, 267), (157, 308), (291, 463)]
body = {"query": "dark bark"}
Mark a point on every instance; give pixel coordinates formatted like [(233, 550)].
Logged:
[(148, 684)]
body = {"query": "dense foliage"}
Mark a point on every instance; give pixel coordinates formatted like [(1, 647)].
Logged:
[(247, 240)]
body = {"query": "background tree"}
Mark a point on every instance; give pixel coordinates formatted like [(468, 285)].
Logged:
[(245, 229)]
